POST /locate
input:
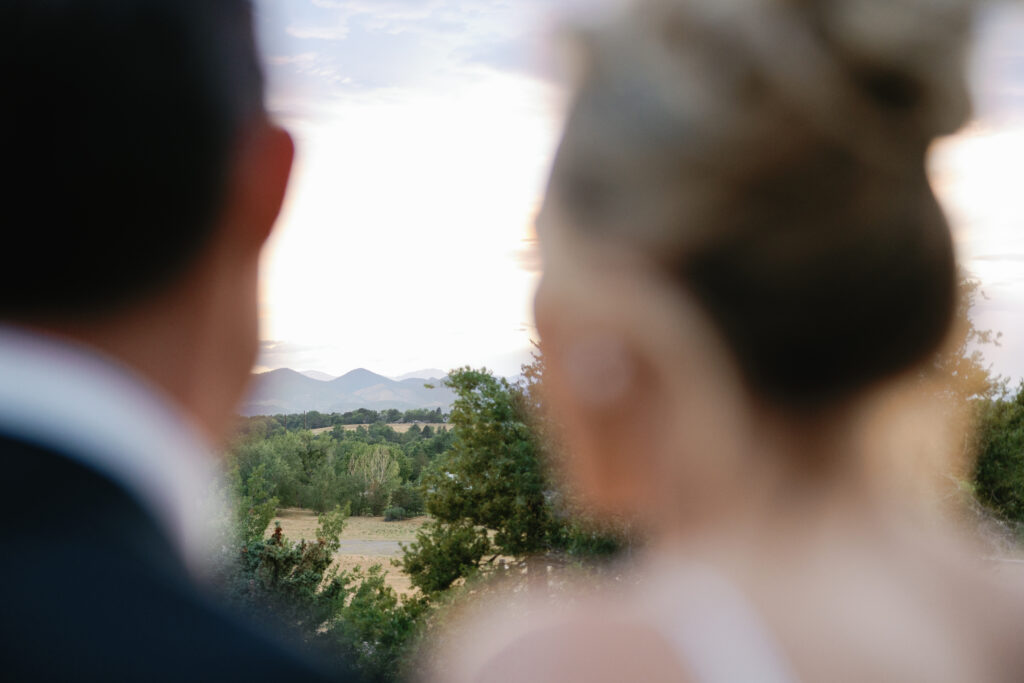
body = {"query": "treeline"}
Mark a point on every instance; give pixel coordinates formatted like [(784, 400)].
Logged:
[(370, 470), (264, 426)]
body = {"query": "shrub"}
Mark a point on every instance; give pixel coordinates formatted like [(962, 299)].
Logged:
[(351, 617), (279, 581), (375, 503), (442, 554), (409, 498), (374, 630), (395, 514)]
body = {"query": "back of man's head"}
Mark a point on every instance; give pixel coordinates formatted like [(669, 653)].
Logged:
[(118, 128)]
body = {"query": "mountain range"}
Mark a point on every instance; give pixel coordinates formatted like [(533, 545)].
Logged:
[(286, 391), (427, 373)]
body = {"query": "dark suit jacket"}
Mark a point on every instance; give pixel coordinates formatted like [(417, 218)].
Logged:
[(91, 589)]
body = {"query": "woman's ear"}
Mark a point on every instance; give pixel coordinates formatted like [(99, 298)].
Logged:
[(599, 369), (601, 394), (653, 416)]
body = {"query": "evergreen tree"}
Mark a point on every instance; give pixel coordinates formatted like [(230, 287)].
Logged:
[(487, 493)]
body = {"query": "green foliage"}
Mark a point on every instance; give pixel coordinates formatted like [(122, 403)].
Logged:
[(999, 471), (409, 498), (353, 616), (256, 506), (378, 469), (484, 480), (266, 426), (374, 629), (395, 514), (586, 539), (490, 493), (493, 474), (318, 472), (443, 553), (487, 492), (330, 525), (434, 416), (279, 581), (976, 405), (961, 364)]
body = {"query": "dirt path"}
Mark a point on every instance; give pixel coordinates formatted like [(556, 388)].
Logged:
[(366, 541), (370, 547)]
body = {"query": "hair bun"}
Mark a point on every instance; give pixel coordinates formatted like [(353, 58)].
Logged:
[(769, 154), (905, 57), (875, 73)]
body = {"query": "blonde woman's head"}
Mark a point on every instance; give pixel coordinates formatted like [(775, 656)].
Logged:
[(745, 181)]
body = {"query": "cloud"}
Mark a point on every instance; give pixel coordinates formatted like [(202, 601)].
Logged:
[(318, 32), (304, 58), (999, 257), (997, 65), (276, 354), (373, 45), (384, 13), (511, 55)]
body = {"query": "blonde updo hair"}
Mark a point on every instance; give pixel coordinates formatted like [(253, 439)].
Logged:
[(770, 154)]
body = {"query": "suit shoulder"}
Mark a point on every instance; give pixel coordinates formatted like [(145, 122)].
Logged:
[(93, 590)]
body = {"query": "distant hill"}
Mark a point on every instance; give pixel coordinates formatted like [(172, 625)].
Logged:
[(316, 374), (287, 392), (429, 373)]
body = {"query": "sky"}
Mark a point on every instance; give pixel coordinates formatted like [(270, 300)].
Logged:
[(425, 130)]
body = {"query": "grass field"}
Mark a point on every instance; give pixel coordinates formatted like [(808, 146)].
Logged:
[(365, 542), (400, 427)]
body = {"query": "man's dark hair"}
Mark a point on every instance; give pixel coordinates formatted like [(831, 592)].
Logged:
[(117, 130)]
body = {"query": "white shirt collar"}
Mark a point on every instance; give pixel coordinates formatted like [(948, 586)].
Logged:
[(90, 408)]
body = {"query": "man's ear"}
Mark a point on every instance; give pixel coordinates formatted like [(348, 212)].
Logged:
[(260, 179)]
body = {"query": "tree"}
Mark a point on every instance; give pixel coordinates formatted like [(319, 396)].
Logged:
[(255, 505), (443, 553), (960, 364), (999, 472), (961, 384), (312, 455), (381, 432), (492, 479), (492, 475), (989, 456), (280, 581), (373, 628), (378, 468)]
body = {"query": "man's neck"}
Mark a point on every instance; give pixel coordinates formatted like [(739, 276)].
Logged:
[(162, 344)]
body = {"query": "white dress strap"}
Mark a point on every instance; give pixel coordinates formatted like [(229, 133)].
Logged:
[(716, 633)]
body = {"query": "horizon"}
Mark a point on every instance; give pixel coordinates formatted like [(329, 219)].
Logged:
[(403, 377), (407, 375)]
